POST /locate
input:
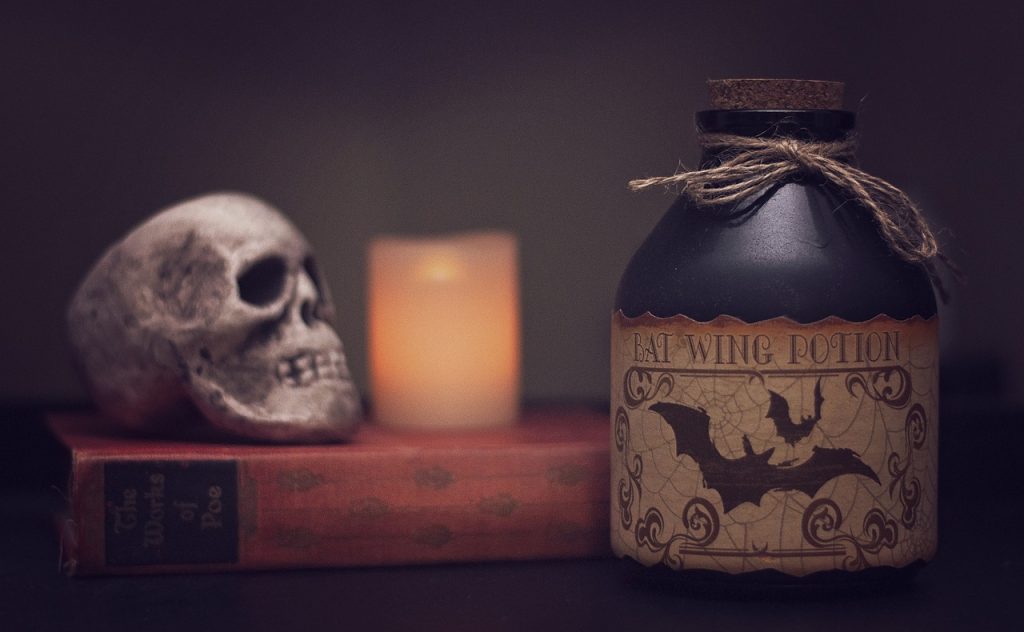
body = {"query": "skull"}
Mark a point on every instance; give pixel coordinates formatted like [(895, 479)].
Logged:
[(215, 304)]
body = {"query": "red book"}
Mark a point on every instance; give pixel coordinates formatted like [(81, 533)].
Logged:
[(537, 490)]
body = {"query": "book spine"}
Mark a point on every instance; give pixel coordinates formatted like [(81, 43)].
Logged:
[(136, 515)]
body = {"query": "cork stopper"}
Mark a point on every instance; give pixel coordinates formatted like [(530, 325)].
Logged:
[(775, 94)]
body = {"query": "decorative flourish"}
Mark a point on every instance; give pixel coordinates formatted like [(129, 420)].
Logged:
[(910, 488), (648, 530), (300, 480), (435, 477), (435, 536), (628, 489), (295, 538), (823, 519), (702, 527), (889, 385), (568, 474), (502, 505), (368, 507), (701, 520), (638, 385)]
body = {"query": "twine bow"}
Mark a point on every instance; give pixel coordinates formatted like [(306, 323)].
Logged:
[(749, 165)]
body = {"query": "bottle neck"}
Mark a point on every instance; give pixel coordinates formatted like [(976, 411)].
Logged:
[(805, 125)]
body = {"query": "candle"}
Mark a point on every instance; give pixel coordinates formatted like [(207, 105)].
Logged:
[(444, 330)]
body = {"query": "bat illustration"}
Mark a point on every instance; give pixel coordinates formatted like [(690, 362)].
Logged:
[(778, 411), (749, 477)]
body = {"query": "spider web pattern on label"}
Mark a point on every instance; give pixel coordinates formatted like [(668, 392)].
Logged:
[(739, 447)]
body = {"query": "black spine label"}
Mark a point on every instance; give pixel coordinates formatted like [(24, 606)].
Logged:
[(171, 512)]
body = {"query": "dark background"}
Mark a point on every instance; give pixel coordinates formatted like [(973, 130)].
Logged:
[(358, 119)]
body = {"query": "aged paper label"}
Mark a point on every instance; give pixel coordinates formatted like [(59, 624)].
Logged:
[(774, 445)]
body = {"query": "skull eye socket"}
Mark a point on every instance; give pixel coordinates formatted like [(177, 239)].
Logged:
[(263, 282)]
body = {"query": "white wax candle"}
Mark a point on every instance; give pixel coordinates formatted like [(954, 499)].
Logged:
[(444, 330)]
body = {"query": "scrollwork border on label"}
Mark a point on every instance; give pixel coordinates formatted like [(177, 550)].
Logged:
[(628, 489), (878, 385), (702, 527), (890, 385), (639, 386), (699, 516), (821, 523), (916, 431)]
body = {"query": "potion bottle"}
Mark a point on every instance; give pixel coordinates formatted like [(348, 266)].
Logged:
[(774, 364)]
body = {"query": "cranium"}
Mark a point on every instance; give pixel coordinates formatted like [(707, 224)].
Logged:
[(215, 304)]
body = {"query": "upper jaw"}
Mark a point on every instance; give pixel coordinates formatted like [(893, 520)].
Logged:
[(307, 367)]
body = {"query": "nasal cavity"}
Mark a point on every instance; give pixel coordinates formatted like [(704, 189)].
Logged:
[(308, 312), (263, 282)]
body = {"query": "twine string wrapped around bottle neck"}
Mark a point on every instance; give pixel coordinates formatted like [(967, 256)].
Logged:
[(746, 166)]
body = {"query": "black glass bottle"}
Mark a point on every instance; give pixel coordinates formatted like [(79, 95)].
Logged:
[(786, 331)]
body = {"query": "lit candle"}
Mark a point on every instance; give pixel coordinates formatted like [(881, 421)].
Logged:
[(444, 330)]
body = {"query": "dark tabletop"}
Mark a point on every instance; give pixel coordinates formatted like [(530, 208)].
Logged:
[(976, 582)]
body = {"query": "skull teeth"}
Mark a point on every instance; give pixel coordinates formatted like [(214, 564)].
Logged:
[(309, 367)]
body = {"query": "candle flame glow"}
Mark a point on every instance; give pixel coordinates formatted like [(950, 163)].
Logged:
[(440, 269)]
